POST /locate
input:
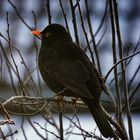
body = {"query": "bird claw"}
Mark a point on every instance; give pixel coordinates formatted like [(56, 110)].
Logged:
[(61, 102), (74, 100)]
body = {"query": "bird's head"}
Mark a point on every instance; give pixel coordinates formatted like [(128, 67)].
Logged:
[(51, 33)]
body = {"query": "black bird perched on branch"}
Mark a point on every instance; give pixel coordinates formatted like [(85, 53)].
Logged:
[(64, 65)]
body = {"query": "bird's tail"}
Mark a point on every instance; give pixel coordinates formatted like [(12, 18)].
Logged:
[(100, 119)]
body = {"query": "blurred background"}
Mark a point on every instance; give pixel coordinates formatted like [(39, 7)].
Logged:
[(19, 73)]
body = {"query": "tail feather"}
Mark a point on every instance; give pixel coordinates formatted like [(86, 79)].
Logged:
[(100, 119)]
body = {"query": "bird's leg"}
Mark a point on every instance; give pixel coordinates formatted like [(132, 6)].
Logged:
[(74, 100), (61, 101), (60, 96)]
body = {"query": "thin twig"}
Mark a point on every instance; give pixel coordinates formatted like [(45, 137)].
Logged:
[(75, 115), (22, 60), (35, 129), (10, 68), (20, 17), (74, 22), (123, 70), (64, 15), (61, 122), (87, 133), (9, 135), (133, 78), (103, 33), (1, 66), (22, 128), (134, 92), (92, 37), (134, 50), (119, 131), (12, 56), (85, 33), (119, 109), (47, 130), (49, 11), (117, 63)]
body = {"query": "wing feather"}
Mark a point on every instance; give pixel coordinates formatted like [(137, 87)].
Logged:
[(71, 74)]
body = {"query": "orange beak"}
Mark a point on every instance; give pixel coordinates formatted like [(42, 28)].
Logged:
[(36, 33)]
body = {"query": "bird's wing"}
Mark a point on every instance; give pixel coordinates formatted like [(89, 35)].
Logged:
[(71, 74)]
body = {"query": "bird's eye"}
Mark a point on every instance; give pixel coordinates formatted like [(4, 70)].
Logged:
[(48, 34)]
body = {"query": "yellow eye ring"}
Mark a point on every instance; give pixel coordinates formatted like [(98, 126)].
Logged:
[(48, 34)]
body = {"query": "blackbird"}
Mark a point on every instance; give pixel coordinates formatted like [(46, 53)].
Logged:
[(64, 65)]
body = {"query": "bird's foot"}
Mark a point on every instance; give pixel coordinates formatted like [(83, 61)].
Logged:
[(74, 100), (61, 102)]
